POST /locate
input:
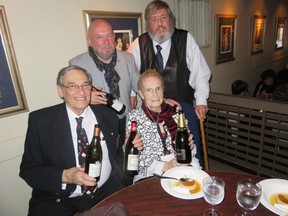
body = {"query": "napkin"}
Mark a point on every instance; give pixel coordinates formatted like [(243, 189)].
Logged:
[(281, 207)]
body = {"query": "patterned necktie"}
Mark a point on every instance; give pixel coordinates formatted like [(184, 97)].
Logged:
[(83, 145), (82, 141), (159, 57)]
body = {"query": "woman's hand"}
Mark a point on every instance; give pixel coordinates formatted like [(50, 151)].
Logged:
[(172, 163), (191, 141), (168, 165), (137, 142)]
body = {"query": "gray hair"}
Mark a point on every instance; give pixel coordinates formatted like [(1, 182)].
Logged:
[(149, 73), (65, 70), (155, 5)]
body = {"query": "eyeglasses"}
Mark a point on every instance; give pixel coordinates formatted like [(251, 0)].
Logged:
[(151, 91), (75, 87)]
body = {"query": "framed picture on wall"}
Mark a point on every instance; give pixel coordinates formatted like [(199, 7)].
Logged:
[(225, 37), (127, 26), (123, 39), (12, 97), (279, 32), (258, 33)]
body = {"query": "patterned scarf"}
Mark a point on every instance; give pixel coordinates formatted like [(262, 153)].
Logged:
[(165, 115), (111, 76)]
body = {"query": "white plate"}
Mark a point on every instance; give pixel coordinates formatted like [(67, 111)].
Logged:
[(269, 187), (179, 172)]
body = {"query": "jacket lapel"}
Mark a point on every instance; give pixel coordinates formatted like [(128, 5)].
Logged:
[(62, 136)]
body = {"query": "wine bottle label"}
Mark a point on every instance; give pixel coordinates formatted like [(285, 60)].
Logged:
[(181, 154), (117, 105), (132, 162), (94, 169)]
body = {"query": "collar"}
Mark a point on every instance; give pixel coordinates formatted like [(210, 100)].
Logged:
[(165, 45)]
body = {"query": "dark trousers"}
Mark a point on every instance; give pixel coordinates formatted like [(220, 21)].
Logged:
[(69, 206), (194, 126)]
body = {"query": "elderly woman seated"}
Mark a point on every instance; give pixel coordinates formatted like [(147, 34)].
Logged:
[(157, 124)]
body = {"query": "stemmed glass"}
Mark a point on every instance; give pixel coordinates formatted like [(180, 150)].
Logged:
[(248, 196), (213, 190)]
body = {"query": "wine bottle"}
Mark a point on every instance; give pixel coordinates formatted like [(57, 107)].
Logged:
[(183, 151), (112, 102), (94, 155), (131, 158)]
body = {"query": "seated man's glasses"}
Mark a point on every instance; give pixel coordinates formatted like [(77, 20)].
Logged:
[(74, 87)]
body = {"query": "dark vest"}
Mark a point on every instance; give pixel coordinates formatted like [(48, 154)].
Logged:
[(176, 73)]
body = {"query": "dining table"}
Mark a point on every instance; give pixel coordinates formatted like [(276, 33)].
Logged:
[(147, 197)]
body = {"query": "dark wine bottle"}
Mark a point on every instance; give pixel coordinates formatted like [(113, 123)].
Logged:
[(114, 103), (183, 151), (94, 155), (131, 158)]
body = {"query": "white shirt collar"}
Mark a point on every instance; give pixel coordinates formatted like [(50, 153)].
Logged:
[(165, 45)]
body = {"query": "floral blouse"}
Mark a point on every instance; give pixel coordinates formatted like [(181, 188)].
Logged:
[(152, 157)]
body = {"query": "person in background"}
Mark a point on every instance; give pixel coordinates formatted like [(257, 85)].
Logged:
[(157, 125), (184, 69), (51, 159), (239, 87), (282, 77), (264, 89), (281, 93), (113, 71)]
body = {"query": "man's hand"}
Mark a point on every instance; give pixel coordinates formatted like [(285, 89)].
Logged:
[(133, 101), (77, 176), (201, 111), (172, 103), (97, 96)]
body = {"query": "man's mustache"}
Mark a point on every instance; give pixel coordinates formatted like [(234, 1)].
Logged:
[(161, 28)]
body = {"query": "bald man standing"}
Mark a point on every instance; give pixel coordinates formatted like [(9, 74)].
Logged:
[(112, 70)]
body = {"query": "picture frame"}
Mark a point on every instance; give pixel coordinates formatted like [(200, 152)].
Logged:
[(258, 33), (12, 97), (225, 37), (123, 39), (279, 32), (122, 22)]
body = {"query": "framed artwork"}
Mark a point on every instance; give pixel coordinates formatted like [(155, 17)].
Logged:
[(258, 33), (12, 97), (279, 32), (123, 39), (127, 26), (225, 37)]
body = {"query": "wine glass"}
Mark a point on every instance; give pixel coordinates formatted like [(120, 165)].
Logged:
[(248, 196), (213, 190)]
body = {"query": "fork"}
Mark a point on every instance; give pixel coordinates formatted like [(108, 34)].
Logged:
[(183, 179)]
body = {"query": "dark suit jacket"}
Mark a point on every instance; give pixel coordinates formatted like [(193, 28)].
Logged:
[(49, 149)]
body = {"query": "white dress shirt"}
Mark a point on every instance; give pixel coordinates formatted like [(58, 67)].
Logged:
[(200, 72), (89, 120)]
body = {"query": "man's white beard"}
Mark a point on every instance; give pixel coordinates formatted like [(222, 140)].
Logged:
[(162, 39)]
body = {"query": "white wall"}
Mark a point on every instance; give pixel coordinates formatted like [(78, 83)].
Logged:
[(46, 34)]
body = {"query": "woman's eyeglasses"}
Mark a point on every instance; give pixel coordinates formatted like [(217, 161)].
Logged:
[(151, 91)]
